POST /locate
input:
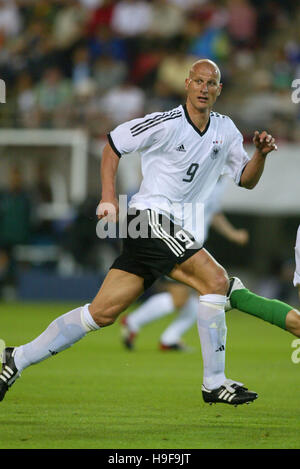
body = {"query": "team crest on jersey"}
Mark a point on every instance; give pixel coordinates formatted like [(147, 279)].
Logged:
[(216, 149)]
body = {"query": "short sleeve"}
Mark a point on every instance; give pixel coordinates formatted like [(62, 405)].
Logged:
[(237, 157), (137, 134)]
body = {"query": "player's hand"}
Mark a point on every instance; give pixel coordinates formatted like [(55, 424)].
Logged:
[(108, 209), (264, 142), (240, 237)]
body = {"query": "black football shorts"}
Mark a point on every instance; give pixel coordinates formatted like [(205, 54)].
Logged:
[(153, 246)]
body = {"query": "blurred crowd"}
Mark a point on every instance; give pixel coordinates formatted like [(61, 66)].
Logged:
[(95, 63)]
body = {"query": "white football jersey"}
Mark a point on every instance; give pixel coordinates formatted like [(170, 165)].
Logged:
[(180, 164), (297, 258), (213, 205)]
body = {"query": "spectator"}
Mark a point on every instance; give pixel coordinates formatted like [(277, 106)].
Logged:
[(53, 98), (208, 42), (105, 42), (172, 72), (102, 16), (242, 22), (265, 102), (109, 73), (123, 103), (81, 66), (10, 19), (144, 70), (131, 17), (69, 23), (26, 100), (167, 19)]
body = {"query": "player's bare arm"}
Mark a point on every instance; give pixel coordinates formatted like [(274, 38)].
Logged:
[(264, 143), (108, 206), (222, 225)]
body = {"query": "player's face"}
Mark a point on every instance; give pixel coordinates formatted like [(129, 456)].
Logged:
[(203, 87)]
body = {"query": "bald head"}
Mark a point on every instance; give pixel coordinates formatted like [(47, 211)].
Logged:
[(203, 85), (203, 65)]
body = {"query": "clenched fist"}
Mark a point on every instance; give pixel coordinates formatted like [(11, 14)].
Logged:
[(264, 142)]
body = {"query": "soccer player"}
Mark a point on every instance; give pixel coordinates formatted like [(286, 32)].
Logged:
[(183, 152), (178, 296)]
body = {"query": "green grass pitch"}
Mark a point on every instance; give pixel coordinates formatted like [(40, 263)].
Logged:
[(97, 395)]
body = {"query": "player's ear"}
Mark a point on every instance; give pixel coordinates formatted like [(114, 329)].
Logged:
[(187, 82), (219, 89)]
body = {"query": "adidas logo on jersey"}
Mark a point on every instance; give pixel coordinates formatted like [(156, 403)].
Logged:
[(181, 148)]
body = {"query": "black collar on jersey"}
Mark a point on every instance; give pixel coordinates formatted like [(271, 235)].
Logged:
[(192, 123)]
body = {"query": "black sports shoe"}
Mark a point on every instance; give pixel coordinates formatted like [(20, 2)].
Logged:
[(231, 392), (9, 372)]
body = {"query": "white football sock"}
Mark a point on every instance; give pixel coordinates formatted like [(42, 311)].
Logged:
[(59, 335), (154, 308), (186, 318), (212, 332)]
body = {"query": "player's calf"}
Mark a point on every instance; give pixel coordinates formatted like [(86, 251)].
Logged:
[(118, 291)]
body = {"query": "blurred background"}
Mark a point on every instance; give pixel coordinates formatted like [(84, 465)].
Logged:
[(74, 69)]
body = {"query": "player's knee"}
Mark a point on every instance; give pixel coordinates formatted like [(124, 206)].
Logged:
[(218, 284)]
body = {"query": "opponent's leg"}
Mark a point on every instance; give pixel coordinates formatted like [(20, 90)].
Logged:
[(154, 308), (171, 337), (73, 326), (203, 273), (273, 311)]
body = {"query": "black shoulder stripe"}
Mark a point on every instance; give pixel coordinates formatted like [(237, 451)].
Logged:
[(152, 119), (113, 146), (134, 134), (242, 174)]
